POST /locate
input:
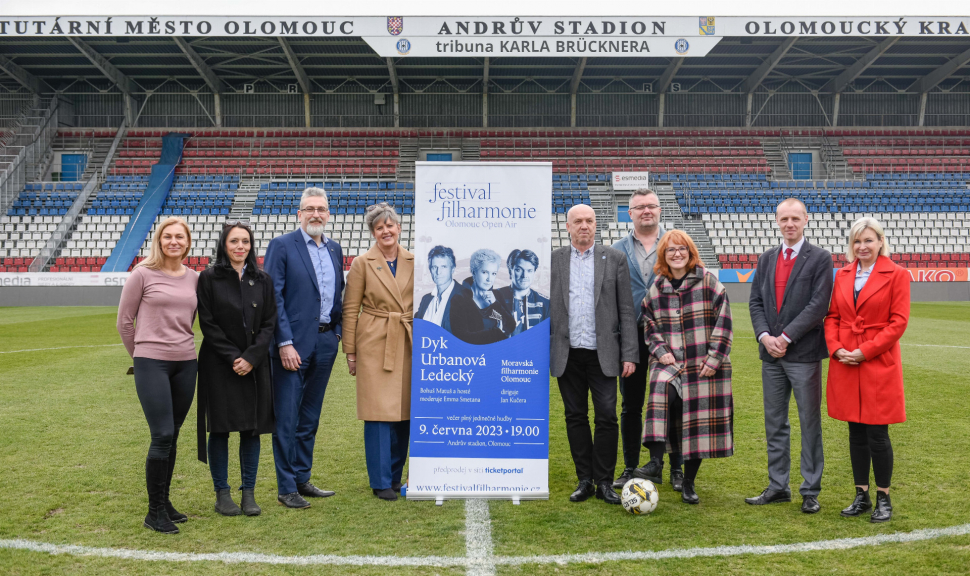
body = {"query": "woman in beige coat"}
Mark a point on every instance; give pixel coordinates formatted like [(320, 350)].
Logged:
[(378, 308)]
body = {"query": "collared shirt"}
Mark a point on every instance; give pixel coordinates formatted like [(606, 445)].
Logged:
[(326, 276), (582, 317), (436, 309), (794, 249), (647, 260), (323, 268), (862, 276), (794, 254)]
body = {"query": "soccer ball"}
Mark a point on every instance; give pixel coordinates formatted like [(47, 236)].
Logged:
[(639, 496)]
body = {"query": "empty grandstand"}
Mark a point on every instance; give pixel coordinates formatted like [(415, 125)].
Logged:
[(852, 126)]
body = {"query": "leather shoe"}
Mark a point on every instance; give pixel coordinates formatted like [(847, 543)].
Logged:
[(396, 486), (687, 494), (604, 491), (623, 479), (677, 479), (583, 491), (385, 494), (769, 496), (860, 505), (651, 471), (292, 500), (883, 512), (810, 505), (308, 490)]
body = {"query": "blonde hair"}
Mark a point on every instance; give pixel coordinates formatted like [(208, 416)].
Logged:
[(860, 226), (155, 255)]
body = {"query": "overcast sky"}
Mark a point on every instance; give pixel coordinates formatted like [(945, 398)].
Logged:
[(485, 7)]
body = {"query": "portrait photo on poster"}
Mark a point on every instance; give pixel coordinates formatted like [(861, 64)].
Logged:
[(483, 296)]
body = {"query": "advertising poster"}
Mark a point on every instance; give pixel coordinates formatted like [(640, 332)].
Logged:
[(480, 372)]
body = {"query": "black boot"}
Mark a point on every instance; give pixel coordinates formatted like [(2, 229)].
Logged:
[(651, 471), (173, 514), (861, 504), (249, 506), (687, 494), (225, 505), (883, 512), (156, 477)]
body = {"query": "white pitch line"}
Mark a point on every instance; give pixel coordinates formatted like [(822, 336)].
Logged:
[(722, 551), (478, 538), (481, 523), (58, 348), (236, 557), (65, 348), (934, 346)]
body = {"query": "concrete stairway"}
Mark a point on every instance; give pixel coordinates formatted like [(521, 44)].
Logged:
[(604, 206), (673, 218), (407, 155), (776, 157)]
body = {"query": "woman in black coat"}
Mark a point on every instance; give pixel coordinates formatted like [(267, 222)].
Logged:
[(237, 314)]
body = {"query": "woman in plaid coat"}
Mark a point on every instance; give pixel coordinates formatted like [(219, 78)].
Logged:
[(687, 326)]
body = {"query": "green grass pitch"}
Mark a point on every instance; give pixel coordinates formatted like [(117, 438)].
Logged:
[(73, 442)]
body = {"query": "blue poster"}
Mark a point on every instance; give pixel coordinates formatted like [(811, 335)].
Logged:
[(480, 371)]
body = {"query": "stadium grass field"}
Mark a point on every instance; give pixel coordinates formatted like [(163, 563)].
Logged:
[(73, 441)]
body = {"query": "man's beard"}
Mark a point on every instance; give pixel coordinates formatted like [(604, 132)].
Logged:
[(314, 229)]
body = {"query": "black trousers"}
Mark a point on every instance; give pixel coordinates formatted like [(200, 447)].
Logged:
[(594, 456), (869, 443), (634, 391), (165, 389)]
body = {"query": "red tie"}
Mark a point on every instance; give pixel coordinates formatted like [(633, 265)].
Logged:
[(788, 252)]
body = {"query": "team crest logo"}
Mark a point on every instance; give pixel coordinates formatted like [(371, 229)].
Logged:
[(395, 25), (706, 25), (403, 46), (681, 46)]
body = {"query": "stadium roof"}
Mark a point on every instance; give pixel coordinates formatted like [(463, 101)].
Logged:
[(736, 64)]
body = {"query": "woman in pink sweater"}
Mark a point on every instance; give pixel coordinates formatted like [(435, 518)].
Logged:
[(155, 318)]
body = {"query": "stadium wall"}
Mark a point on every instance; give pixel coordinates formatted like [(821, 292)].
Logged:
[(109, 295), (528, 105)]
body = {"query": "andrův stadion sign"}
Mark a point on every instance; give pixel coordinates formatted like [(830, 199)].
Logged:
[(398, 36)]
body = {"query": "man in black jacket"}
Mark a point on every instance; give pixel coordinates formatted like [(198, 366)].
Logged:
[(789, 300)]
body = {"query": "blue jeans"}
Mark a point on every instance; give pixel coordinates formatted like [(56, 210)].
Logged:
[(386, 450), (219, 460)]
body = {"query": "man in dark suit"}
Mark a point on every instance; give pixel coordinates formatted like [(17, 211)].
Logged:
[(528, 306), (307, 272), (594, 340), (788, 303), (435, 306)]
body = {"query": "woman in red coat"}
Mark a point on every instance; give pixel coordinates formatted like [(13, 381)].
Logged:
[(867, 317)]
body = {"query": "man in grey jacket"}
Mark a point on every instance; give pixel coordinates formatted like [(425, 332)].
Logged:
[(593, 341), (640, 247), (789, 300)]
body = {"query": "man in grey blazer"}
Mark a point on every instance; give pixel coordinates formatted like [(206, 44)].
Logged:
[(789, 300), (594, 340)]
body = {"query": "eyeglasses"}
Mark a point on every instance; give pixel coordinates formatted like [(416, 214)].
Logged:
[(679, 250), (231, 223), (378, 206), (315, 210), (641, 207)]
